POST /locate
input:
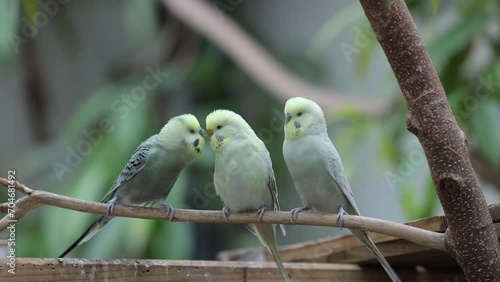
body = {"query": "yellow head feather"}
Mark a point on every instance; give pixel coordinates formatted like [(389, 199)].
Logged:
[(224, 125), (303, 116), (183, 131)]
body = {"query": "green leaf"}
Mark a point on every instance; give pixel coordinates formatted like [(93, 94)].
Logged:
[(485, 127), (430, 200), (90, 111), (418, 206), (455, 39), (366, 52), (408, 201), (112, 101), (30, 9), (454, 67), (388, 131), (456, 101)]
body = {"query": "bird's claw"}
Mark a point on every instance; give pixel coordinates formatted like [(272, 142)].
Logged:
[(225, 213), (294, 212), (261, 212), (169, 209), (111, 206), (340, 217)]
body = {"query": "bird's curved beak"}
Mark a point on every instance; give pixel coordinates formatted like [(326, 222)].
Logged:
[(288, 118), (203, 132), (209, 133)]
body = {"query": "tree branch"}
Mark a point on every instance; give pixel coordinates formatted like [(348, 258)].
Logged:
[(470, 238), (259, 64), (36, 198)]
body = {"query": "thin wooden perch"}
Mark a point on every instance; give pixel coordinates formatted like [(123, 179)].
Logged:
[(470, 237), (36, 198)]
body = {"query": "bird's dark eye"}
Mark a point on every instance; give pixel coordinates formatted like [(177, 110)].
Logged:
[(219, 127), (192, 131), (299, 114)]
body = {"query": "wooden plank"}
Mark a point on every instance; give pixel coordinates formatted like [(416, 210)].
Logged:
[(34, 269), (348, 249)]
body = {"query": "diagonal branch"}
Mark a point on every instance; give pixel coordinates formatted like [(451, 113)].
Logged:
[(36, 198), (259, 64), (470, 238)]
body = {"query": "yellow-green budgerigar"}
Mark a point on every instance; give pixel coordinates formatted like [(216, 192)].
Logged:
[(317, 169), (152, 170), (243, 176)]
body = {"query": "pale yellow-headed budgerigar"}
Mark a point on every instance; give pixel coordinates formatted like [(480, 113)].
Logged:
[(243, 176), (317, 170), (152, 170)]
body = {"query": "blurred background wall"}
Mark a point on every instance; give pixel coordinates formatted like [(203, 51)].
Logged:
[(74, 106)]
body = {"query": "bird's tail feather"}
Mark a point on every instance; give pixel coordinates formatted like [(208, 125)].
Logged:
[(274, 252), (266, 235), (365, 238), (88, 234)]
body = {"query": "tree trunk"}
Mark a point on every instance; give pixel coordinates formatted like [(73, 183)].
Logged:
[(471, 237)]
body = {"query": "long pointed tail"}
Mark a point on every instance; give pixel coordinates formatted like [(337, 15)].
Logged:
[(266, 235), (88, 234), (365, 238), (274, 251)]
